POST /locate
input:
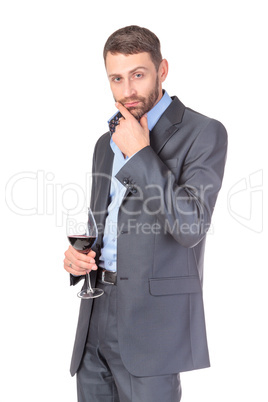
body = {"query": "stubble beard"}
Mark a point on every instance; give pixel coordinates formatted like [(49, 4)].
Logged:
[(146, 103)]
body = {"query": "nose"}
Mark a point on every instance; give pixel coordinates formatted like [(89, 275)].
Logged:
[(129, 89)]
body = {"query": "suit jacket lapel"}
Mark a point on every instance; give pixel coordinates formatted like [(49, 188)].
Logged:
[(103, 172), (167, 125)]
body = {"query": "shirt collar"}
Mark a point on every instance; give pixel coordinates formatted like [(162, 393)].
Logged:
[(156, 112)]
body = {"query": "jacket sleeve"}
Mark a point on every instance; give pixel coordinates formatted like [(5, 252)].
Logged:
[(75, 279), (184, 206)]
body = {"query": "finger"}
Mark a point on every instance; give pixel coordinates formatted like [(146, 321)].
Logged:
[(84, 261), (74, 254), (144, 122), (81, 265), (78, 268), (71, 268), (75, 271), (91, 254), (125, 113)]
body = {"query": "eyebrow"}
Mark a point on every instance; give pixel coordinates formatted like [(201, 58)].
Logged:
[(130, 72)]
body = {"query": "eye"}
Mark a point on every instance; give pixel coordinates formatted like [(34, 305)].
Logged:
[(138, 75), (116, 79)]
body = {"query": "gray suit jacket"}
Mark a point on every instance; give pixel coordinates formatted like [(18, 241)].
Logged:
[(171, 190)]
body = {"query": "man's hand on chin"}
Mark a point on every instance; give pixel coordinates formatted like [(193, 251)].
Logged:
[(130, 135)]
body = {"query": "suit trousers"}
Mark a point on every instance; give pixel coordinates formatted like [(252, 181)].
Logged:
[(102, 376)]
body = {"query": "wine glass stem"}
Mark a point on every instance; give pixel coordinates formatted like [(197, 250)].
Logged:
[(89, 288)]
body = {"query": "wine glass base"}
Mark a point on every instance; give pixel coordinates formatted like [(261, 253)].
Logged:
[(85, 294)]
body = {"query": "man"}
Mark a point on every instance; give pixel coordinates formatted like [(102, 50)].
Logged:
[(156, 176)]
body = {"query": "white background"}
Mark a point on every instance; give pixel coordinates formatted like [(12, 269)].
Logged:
[(55, 101)]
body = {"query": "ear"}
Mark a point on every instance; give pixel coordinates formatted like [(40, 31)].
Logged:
[(163, 70)]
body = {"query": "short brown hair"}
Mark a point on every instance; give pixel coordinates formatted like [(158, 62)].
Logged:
[(132, 40)]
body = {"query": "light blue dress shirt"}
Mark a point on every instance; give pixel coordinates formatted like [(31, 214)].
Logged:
[(108, 256)]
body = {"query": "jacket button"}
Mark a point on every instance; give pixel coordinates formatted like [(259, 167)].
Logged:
[(132, 189), (125, 181)]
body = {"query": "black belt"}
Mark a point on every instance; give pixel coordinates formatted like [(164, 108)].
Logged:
[(107, 277)]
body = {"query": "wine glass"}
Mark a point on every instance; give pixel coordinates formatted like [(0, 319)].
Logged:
[(82, 234)]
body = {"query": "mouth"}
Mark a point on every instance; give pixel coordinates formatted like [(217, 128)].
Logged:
[(131, 104)]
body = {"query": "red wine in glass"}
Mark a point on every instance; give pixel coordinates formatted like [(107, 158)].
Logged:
[(82, 243), (82, 234)]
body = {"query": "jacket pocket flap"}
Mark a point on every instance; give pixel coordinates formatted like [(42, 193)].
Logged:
[(176, 285)]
